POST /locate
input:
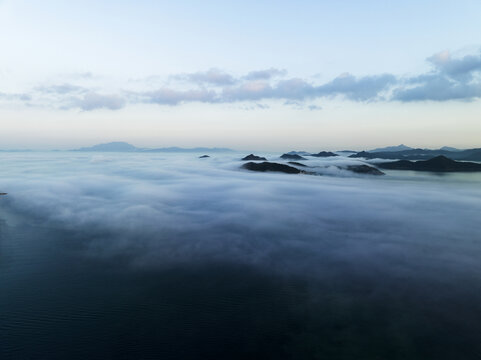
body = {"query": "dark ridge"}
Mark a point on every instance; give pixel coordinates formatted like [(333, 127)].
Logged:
[(324, 154), (362, 154), (251, 157), (436, 164), (364, 169), (471, 155), (297, 164), (203, 156), (292, 157), (268, 166), (422, 154), (3, 194)]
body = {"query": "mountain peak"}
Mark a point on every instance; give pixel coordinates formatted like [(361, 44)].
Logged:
[(440, 160), (400, 147), (111, 146)]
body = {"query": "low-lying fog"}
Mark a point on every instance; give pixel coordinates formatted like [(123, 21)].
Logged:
[(378, 257)]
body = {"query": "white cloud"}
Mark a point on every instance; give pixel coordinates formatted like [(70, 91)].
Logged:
[(94, 101), (164, 208)]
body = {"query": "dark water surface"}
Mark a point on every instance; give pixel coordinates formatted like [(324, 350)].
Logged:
[(57, 303)]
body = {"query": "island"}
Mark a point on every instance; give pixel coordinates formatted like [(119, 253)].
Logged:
[(436, 164), (364, 169), (292, 157), (270, 166), (252, 157), (421, 154), (324, 154)]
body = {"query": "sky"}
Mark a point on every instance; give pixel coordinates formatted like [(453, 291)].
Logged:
[(269, 75)]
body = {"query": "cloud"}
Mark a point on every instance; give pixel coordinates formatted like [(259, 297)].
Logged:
[(266, 74), (212, 77), (218, 77), (438, 88), (450, 79), (164, 209), (466, 65), (60, 89), (24, 97), (93, 101), (366, 88), (167, 96), (291, 89)]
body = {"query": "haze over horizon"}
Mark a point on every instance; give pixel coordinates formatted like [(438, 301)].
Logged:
[(271, 75)]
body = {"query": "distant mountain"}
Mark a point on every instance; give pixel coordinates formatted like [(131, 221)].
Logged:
[(436, 164), (119, 146), (292, 157), (449, 148), (401, 147), (422, 154), (470, 155), (298, 153)]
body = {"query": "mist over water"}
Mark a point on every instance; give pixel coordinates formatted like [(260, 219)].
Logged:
[(106, 255)]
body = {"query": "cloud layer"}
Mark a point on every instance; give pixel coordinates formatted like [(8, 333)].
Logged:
[(295, 264), (178, 206), (450, 78)]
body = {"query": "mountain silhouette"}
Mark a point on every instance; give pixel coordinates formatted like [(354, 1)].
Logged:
[(436, 164)]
